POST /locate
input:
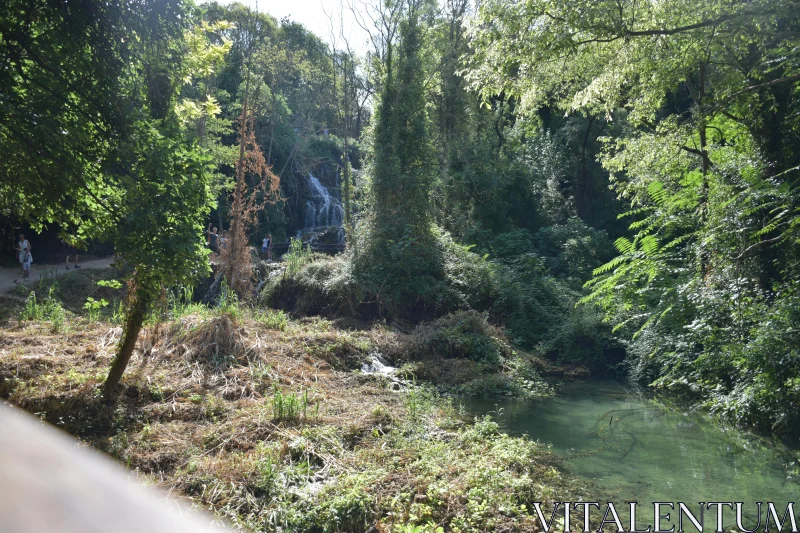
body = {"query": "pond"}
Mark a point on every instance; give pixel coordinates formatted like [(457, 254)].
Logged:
[(630, 446)]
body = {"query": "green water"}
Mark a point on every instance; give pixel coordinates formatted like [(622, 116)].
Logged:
[(629, 446)]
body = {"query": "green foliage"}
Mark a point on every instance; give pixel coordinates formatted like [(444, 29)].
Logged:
[(325, 286), (399, 258), (706, 160), (271, 319), (297, 257), (465, 335), (94, 308), (179, 300), (228, 301), (291, 407), (59, 125), (49, 309), (571, 251)]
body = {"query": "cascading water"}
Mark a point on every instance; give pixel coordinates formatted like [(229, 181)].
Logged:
[(323, 210)]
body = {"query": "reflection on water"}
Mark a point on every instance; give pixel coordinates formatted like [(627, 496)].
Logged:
[(631, 447)]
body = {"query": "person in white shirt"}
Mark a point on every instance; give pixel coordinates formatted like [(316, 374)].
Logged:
[(24, 254)]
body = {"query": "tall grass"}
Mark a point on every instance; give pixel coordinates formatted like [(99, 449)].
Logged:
[(179, 300), (297, 257), (228, 302), (49, 309), (289, 407)]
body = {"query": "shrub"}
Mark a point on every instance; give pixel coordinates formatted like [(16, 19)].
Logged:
[(513, 243), (462, 335), (323, 286), (582, 338), (297, 257), (274, 319), (94, 307), (529, 303)]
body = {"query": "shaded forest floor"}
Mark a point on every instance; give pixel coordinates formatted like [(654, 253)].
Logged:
[(270, 423)]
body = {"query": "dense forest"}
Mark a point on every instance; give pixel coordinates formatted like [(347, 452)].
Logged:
[(514, 189)]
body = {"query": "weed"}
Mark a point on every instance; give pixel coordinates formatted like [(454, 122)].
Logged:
[(179, 300), (118, 315), (420, 399), (424, 528), (228, 303), (297, 257), (274, 320), (94, 307), (47, 310), (156, 392), (291, 407)]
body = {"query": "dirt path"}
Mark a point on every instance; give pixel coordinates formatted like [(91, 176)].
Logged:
[(10, 276)]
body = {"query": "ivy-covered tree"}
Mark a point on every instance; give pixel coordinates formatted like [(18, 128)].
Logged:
[(401, 258)]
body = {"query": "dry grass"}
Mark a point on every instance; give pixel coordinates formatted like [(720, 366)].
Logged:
[(196, 417)]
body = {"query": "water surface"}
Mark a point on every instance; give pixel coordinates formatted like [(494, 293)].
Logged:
[(630, 446)]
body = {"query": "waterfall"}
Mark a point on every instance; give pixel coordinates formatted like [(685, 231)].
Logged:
[(323, 210)]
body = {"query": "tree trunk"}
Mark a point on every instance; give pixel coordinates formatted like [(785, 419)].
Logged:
[(133, 325)]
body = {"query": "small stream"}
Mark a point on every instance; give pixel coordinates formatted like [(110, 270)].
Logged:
[(630, 446)]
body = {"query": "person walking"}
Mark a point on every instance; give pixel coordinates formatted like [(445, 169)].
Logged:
[(24, 254), (71, 251), (269, 247), (213, 241)]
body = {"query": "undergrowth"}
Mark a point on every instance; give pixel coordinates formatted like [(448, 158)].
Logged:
[(46, 309), (275, 433)]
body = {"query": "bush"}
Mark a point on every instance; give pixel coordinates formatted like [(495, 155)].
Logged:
[(743, 363), (582, 338), (461, 335), (516, 242), (274, 320), (323, 286), (530, 303)]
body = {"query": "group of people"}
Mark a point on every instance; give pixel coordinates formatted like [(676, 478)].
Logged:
[(217, 241), (25, 257)]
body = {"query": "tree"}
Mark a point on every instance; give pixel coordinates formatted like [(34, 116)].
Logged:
[(164, 197), (402, 255), (92, 141), (62, 72), (707, 160)]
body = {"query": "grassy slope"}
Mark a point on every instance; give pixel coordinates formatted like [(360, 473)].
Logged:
[(207, 412)]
